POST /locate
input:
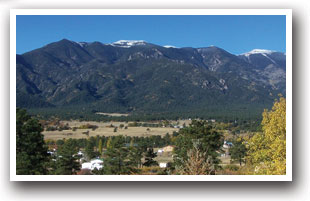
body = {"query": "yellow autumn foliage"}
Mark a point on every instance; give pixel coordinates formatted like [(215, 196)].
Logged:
[(267, 150)]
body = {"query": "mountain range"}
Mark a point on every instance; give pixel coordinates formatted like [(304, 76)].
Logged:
[(138, 77)]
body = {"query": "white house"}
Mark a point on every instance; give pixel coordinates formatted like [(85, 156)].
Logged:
[(162, 165), (227, 145), (80, 153), (95, 163), (86, 165)]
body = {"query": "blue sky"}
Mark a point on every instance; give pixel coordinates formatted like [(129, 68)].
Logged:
[(236, 34)]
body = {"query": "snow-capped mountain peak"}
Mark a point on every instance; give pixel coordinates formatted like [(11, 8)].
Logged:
[(258, 51), (82, 44), (128, 43), (169, 46)]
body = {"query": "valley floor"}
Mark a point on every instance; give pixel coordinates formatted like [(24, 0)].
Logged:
[(105, 129)]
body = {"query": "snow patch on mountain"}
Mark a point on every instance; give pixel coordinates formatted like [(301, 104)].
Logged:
[(128, 43), (169, 46), (258, 51), (263, 52), (82, 44)]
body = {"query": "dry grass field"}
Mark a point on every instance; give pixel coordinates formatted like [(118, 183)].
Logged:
[(105, 129), (113, 114)]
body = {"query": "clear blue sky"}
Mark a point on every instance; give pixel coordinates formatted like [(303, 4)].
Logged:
[(236, 34)]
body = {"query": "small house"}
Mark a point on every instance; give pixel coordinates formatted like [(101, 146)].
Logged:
[(227, 145), (162, 165), (168, 148)]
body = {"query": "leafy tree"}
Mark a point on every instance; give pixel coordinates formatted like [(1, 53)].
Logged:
[(238, 151), (267, 150), (132, 143), (210, 139), (109, 143), (67, 161), (149, 158), (31, 152), (100, 147)]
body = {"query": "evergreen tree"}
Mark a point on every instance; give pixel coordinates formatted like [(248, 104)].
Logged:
[(167, 139), (238, 151), (198, 163), (31, 152), (135, 156), (67, 161), (117, 158), (149, 158), (89, 150), (210, 139)]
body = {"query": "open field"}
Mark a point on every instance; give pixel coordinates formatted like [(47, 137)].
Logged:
[(76, 123), (113, 114), (104, 129)]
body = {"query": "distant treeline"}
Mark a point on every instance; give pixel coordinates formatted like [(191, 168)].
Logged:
[(93, 142), (220, 113), (241, 120)]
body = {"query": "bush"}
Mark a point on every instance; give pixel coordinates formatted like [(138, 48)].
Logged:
[(232, 167), (88, 126), (60, 142)]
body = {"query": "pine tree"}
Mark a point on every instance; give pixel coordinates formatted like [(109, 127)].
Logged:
[(167, 139), (89, 150), (116, 160), (198, 162), (31, 151), (210, 139), (135, 156), (149, 158), (67, 161), (238, 151)]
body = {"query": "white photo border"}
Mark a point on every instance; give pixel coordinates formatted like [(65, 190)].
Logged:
[(286, 12)]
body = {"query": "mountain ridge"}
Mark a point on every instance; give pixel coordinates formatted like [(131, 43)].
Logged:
[(145, 77)]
